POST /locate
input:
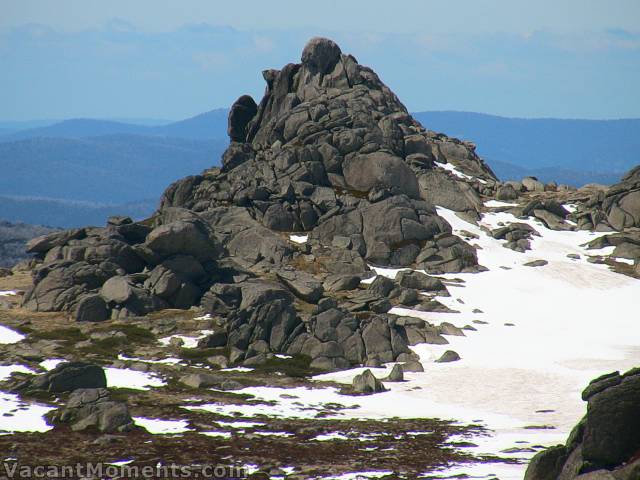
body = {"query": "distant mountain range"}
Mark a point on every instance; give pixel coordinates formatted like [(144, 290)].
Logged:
[(568, 151), (77, 172), (80, 171), (207, 125)]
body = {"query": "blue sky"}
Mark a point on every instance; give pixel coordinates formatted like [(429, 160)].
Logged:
[(160, 59)]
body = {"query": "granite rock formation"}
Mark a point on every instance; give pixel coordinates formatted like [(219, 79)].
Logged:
[(329, 153), (605, 445)]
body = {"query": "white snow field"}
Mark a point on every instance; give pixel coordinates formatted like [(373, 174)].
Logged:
[(570, 321)]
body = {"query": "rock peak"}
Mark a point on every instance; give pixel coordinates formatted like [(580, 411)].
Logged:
[(330, 151), (321, 55)]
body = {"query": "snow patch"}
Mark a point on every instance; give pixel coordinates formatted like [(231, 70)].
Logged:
[(19, 416), (628, 261), (189, 342), (498, 203), (299, 238), (7, 370), (51, 363), (127, 378), (216, 434), (8, 336), (162, 427), (451, 168), (164, 361)]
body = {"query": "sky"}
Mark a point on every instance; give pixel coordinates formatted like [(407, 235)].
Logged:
[(174, 59)]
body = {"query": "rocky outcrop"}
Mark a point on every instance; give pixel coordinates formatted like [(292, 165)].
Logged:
[(93, 409), (627, 244), (518, 236), (606, 443), (622, 201), (367, 383), (615, 208), (329, 151)]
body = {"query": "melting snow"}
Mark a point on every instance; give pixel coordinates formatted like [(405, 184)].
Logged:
[(237, 369), (7, 370), (628, 261), (6, 293), (299, 238), (162, 427), (273, 434), (19, 416), (239, 424), (573, 321), (216, 434), (189, 342), (51, 363), (451, 168), (498, 203), (166, 361), (127, 378), (330, 436), (9, 336)]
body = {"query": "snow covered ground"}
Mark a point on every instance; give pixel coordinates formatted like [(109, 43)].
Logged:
[(549, 330), (572, 321)]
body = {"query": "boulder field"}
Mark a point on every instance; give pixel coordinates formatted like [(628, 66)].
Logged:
[(325, 177)]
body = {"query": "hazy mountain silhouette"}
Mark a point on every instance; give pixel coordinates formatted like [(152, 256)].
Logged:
[(114, 166), (207, 125), (569, 151)]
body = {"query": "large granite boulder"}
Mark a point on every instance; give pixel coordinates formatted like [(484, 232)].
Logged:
[(93, 409), (613, 208), (622, 201), (606, 443), (67, 377), (380, 170)]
